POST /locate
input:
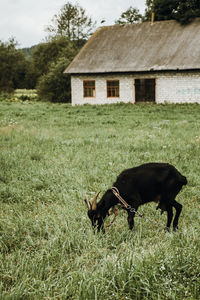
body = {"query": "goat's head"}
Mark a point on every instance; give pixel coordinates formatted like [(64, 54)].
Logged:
[(94, 213)]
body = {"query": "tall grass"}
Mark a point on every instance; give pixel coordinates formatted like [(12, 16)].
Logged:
[(50, 155)]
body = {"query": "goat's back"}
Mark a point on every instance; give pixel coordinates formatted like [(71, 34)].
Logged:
[(149, 180)]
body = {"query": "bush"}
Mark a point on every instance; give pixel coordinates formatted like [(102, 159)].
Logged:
[(55, 86), (5, 96)]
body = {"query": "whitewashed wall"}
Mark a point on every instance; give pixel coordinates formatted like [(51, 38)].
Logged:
[(170, 88), (125, 90), (178, 88)]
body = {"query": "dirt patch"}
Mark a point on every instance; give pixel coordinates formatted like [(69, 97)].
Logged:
[(6, 130)]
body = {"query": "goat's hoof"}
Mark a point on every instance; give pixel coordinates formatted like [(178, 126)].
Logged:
[(175, 228), (166, 229)]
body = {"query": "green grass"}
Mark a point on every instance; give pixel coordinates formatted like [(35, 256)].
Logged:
[(50, 156)]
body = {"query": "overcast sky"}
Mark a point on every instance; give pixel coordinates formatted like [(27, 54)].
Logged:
[(25, 20)]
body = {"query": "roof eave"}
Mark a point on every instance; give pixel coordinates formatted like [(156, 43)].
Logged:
[(151, 70)]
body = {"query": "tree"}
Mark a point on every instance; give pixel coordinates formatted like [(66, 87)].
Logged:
[(182, 11), (54, 86), (187, 10), (31, 76), (131, 15), (12, 67), (165, 10), (148, 10), (45, 53), (72, 22)]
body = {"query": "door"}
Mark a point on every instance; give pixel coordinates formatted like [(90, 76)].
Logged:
[(145, 90)]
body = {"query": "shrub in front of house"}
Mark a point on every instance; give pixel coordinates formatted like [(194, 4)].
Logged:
[(55, 86)]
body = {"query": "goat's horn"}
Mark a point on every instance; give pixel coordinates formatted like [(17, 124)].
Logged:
[(94, 202), (88, 202)]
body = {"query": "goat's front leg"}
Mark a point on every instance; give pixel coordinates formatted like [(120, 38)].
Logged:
[(135, 202), (178, 208), (169, 216), (130, 219), (100, 226)]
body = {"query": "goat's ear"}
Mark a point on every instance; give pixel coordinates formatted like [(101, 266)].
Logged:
[(89, 206), (94, 202)]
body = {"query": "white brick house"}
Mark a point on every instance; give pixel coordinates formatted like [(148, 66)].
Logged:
[(138, 62)]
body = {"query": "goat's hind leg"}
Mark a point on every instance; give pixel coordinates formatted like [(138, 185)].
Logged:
[(178, 208), (169, 217)]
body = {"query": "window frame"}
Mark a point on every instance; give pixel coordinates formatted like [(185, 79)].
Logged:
[(115, 94), (86, 88)]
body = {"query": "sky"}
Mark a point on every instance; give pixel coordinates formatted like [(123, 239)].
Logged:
[(26, 20)]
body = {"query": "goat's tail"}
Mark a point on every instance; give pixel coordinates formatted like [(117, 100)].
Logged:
[(183, 180)]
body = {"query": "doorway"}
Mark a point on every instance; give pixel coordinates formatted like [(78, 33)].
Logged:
[(145, 90)]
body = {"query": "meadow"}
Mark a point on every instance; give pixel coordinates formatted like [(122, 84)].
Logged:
[(50, 156)]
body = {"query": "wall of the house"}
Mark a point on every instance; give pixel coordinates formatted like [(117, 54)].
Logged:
[(172, 87), (125, 90), (178, 88)]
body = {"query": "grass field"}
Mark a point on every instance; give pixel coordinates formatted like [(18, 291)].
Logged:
[(50, 155)]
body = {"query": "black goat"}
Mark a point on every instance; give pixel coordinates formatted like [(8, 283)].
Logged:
[(158, 182)]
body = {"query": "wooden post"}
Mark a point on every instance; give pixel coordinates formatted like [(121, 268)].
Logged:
[(152, 18)]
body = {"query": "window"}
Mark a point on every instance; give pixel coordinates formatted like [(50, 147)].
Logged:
[(112, 88), (89, 88)]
